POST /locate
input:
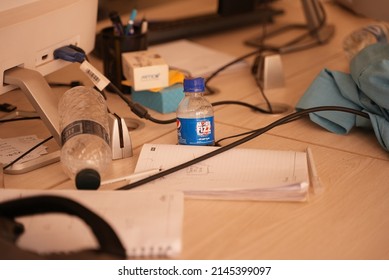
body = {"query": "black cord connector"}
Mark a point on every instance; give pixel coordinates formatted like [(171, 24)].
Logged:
[(70, 53), (139, 110)]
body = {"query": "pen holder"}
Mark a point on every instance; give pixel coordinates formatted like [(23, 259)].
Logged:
[(112, 47)]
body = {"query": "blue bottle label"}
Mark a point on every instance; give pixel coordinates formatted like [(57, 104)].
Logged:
[(196, 131)]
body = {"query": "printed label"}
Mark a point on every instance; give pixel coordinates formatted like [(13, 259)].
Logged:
[(99, 80), (84, 127), (195, 131)]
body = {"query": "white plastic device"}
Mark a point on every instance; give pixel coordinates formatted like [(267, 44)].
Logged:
[(30, 31)]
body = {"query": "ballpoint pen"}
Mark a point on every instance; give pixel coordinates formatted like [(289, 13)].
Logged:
[(130, 26), (131, 177), (315, 179)]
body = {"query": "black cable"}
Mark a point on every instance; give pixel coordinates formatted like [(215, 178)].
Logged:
[(30, 150), (71, 84), (224, 67), (142, 112), (260, 87), (27, 152), (136, 108), (150, 118), (241, 103), (252, 135), (290, 46), (214, 104), (325, 108), (260, 49), (282, 49), (215, 73)]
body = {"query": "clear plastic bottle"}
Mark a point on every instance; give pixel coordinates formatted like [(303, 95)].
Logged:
[(363, 37), (195, 121), (86, 152)]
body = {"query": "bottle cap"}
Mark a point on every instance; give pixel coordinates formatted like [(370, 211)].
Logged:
[(194, 84), (88, 179)]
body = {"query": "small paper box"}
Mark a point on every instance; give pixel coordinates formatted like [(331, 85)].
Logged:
[(145, 70)]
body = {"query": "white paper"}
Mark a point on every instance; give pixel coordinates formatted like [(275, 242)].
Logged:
[(194, 58), (146, 222), (12, 148), (237, 173)]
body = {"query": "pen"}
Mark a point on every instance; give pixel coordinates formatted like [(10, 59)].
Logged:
[(144, 26), (117, 23), (138, 175), (315, 179), (130, 25)]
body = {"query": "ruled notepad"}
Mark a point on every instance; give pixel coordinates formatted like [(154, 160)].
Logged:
[(148, 224), (237, 174)]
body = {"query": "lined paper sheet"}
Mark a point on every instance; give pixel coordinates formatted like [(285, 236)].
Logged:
[(12, 148), (235, 174), (147, 223)]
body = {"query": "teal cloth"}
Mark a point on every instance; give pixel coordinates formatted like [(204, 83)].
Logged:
[(365, 88)]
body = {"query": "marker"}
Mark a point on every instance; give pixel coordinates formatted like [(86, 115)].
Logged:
[(131, 177)]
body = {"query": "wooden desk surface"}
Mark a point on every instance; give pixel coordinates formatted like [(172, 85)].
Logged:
[(348, 221)]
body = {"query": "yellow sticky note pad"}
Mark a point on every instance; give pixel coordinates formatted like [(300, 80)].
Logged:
[(175, 77)]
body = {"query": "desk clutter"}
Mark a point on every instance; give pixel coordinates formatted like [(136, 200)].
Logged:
[(268, 187), (154, 75)]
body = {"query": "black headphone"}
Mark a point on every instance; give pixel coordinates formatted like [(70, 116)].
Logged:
[(110, 246)]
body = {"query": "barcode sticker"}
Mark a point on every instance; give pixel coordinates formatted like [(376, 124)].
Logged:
[(99, 80)]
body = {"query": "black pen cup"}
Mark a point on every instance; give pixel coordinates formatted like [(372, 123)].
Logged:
[(112, 47)]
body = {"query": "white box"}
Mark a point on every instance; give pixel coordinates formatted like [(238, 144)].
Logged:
[(145, 70)]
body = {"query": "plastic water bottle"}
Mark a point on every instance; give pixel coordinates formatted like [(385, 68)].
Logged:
[(195, 121), (363, 37), (86, 151)]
